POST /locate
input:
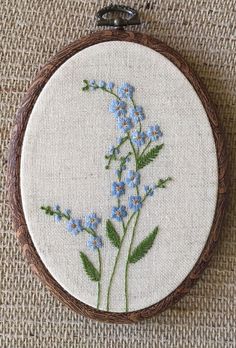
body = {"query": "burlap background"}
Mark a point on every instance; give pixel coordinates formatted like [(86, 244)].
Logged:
[(204, 32)]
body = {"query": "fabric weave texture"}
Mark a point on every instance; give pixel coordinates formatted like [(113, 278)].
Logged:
[(204, 33)]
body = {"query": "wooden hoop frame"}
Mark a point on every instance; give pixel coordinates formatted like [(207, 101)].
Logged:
[(18, 131)]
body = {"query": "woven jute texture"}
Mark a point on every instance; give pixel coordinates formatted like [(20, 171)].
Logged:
[(204, 33)]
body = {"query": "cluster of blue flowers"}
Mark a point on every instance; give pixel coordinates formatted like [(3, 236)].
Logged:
[(126, 119), (75, 226)]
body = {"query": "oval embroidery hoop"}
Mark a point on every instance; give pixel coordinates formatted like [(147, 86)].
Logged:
[(14, 174)]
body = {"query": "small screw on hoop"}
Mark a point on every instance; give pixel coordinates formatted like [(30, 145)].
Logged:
[(118, 22)]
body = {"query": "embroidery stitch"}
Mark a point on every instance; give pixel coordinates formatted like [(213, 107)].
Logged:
[(75, 226), (126, 118), (137, 138)]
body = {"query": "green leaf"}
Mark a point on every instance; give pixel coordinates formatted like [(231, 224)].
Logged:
[(86, 87), (142, 249), (163, 182), (112, 234), (144, 160), (89, 268)]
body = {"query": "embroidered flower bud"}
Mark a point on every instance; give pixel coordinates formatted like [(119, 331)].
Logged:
[(67, 212), (118, 188), (92, 221), (133, 178), (126, 91), (74, 226), (92, 84), (149, 190), (135, 203), (94, 243), (138, 138), (154, 133), (136, 114), (102, 84), (57, 216), (118, 213), (110, 86)]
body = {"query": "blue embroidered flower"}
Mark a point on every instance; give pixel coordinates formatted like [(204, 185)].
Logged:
[(118, 188), (102, 84), (135, 202), (138, 138), (126, 91), (74, 226), (94, 243), (137, 114), (124, 124), (154, 133), (118, 107), (110, 86), (92, 221), (133, 178), (118, 213), (149, 190)]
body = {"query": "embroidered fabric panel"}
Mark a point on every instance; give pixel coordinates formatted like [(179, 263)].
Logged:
[(119, 152)]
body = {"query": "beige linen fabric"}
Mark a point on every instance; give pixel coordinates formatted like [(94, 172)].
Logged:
[(67, 136), (204, 32)]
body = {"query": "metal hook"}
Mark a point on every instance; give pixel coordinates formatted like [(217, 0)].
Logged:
[(118, 21)]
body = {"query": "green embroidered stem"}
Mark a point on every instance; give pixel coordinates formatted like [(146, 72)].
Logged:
[(114, 269), (99, 282), (49, 211), (133, 149), (91, 231), (113, 155), (125, 229), (146, 147), (127, 263), (95, 86)]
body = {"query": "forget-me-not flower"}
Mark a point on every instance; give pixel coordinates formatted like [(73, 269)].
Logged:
[(154, 133), (94, 242), (124, 124), (132, 178), (136, 114), (138, 138), (118, 188), (74, 226), (92, 221), (118, 107), (118, 213), (135, 203), (126, 91)]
